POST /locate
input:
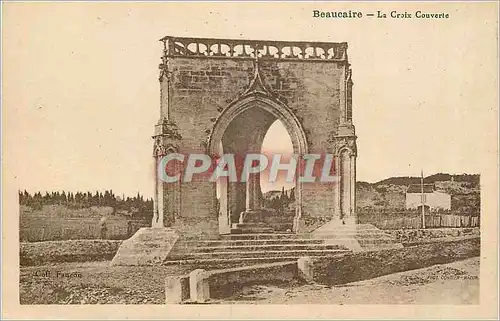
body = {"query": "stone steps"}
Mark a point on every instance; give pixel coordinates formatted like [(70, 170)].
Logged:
[(205, 263), (267, 247), (153, 246), (354, 233), (261, 228), (250, 248), (254, 254), (261, 236), (243, 229), (364, 237), (260, 247), (249, 225), (249, 242)]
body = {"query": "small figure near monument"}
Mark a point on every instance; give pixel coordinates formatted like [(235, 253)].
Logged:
[(242, 217), (103, 229), (130, 230)]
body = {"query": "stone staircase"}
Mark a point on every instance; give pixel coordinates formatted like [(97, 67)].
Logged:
[(253, 243), (254, 248), (260, 221), (250, 228), (359, 237), (256, 243)]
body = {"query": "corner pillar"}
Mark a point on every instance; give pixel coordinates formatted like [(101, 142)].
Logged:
[(353, 214), (345, 151), (166, 195)]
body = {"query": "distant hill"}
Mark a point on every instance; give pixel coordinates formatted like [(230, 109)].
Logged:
[(390, 193), (440, 177)]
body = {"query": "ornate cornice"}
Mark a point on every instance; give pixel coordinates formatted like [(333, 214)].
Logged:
[(251, 49)]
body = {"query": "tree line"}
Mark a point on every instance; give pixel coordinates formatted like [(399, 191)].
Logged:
[(282, 201), (137, 204)]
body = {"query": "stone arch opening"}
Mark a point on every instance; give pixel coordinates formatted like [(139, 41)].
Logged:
[(278, 196), (240, 130)]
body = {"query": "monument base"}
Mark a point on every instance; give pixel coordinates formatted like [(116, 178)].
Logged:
[(148, 246)]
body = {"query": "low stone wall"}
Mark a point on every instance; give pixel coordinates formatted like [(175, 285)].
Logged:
[(411, 236), (199, 286), (366, 265), (226, 281), (39, 253)]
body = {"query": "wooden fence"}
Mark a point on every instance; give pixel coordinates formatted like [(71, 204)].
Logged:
[(431, 221)]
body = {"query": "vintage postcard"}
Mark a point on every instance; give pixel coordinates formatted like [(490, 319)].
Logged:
[(250, 160)]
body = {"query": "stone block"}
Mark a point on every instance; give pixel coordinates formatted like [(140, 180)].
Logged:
[(199, 288), (148, 246), (176, 289), (305, 268)]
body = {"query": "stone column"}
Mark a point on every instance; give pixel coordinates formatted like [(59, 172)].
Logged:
[(166, 198), (353, 189), (224, 217), (345, 151), (160, 200), (236, 199), (155, 193), (337, 189), (253, 192), (346, 185)]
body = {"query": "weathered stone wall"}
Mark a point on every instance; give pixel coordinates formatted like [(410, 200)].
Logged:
[(367, 265), (198, 90), (410, 236), (201, 88)]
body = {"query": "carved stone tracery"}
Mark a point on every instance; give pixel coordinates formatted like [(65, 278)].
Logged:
[(166, 138), (340, 143), (234, 48)]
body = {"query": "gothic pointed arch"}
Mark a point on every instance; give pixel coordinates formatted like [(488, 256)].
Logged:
[(258, 100)]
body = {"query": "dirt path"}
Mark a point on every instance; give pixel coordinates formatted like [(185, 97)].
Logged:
[(454, 283)]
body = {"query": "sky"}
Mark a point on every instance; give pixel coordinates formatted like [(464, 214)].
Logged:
[(81, 92)]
